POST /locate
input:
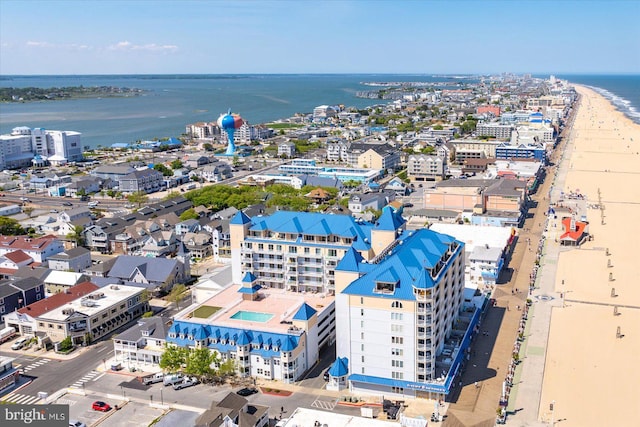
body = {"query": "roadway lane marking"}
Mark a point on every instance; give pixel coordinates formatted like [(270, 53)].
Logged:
[(102, 349), (99, 376)]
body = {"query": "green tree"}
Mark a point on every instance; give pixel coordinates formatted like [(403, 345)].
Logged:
[(173, 358), (138, 198), (176, 164), (177, 294), (10, 227), (207, 147), (65, 344), (171, 195), (189, 214), (228, 368), (81, 192), (76, 235), (163, 169), (200, 363), (438, 127)]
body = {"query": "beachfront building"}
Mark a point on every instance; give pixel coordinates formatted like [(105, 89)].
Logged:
[(511, 151), (21, 147), (474, 149), (298, 251), (203, 130), (400, 322)]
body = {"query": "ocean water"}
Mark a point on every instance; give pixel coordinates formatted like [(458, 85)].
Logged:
[(173, 101), (623, 91)]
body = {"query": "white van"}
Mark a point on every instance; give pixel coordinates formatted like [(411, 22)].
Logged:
[(92, 204)]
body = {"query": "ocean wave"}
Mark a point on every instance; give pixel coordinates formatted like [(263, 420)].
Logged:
[(621, 104)]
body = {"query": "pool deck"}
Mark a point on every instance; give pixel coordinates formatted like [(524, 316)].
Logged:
[(277, 302)]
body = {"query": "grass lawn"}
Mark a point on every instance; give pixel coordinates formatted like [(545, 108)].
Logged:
[(205, 311), (284, 125)]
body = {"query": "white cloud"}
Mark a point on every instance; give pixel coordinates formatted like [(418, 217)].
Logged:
[(151, 47), (47, 45)]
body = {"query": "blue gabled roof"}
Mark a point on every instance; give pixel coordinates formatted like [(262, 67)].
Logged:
[(389, 220), (340, 367), (407, 265), (249, 278), (279, 341), (305, 312), (240, 218), (350, 261)]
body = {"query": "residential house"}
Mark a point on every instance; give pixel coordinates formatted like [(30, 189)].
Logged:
[(145, 181), (12, 261), (156, 274), (39, 248), (198, 244), (188, 226), (361, 202), (175, 205), (398, 186), (112, 172), (142, 344), (98, 237), (59, 281), (86, 185), (196, 161), (19, 293), (234, 411), (216, 172), (76, 259), (286, 149), (74, 214), (159, 244)]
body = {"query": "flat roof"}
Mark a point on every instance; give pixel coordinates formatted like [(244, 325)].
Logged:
[(112, 295), (282, 304), (476, 235), (307, 417)]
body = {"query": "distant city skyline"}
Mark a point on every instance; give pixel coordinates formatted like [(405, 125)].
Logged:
[(255, 37)]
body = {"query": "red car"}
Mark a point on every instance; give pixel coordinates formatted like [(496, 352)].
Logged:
[(100, 406)]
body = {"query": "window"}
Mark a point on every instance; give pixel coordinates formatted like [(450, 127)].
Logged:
[(306, 250), (397, 375), (270, 247), (396, 352), (361, 335), (362, 312), (396, 328), (397, 363), (361, 300), (396, 316), (362, 323), (41, 324), (396, 304), (362, 358), (260, 246), (361, 347), (59, 326), (397, 340), (397, 390)]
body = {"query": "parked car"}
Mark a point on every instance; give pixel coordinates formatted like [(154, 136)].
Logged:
[(152, 379), (100, 406), (75, 423), (116, 366), (247, 391), (67, 204), (19, 343), (326, 375), (171, 379), (187, 382)]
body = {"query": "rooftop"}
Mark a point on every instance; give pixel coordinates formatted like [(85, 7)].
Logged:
[(43, 306)]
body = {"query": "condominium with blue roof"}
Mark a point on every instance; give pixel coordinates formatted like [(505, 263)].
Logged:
[(400, 320)]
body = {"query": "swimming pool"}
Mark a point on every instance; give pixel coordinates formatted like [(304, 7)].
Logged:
[(252, 316)]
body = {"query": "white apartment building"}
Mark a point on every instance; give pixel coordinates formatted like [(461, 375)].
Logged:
[(19, 148), (495, 130), (422, 167)]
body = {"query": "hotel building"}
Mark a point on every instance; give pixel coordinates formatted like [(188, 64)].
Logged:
[(400, 320), (20, 147)]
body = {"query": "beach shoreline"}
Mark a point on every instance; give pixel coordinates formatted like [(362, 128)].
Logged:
[(589, 374)]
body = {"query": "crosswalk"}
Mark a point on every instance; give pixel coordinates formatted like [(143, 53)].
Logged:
[(85, 379), (34, 365), (21, 399), (324, 404)]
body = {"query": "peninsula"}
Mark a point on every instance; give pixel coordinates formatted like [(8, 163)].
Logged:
[(29, 94)]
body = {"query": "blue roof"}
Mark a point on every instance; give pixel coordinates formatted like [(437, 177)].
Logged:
[(318, 224), (340, 367), (267, 341), (407, 265), (251, 290), (305, 312), (249, 278), (240, 218), (389, 220), (350, 261)]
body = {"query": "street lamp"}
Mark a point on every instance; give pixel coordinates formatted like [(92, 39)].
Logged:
[(161, 398)]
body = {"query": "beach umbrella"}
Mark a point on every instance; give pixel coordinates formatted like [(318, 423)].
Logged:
[(229, 123)]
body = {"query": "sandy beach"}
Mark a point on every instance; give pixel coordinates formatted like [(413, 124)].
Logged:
[(590, 374)]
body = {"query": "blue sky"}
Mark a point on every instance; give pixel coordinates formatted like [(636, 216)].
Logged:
[(163, 37)]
